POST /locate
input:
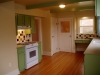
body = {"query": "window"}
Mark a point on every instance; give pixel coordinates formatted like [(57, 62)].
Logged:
[(86, 26)]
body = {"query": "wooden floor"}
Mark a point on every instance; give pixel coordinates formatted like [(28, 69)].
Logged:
[(61, 63)]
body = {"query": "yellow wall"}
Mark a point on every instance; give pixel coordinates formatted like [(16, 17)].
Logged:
[(8, 52), (46, 32)]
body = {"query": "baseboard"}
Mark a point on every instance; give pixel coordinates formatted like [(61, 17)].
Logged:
[(73, 51), (15, 72), (47, 53)]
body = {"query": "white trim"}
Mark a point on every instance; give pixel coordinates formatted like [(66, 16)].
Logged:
[(73, 51), (15, 72), (47, 53), (73, 36), (52, 51)]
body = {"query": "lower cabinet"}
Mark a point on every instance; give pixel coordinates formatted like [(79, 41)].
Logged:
[(39, 52), (92, 64), (21, 58)]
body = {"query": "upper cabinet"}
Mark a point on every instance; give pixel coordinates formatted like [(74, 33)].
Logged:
[(20, 20), (25, 20), (97, 7)]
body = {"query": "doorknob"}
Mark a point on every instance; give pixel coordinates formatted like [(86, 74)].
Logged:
[(52, 36), (70, 36)]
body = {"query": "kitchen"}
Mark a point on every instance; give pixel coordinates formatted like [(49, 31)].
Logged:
[(8, 33), (28, 41)]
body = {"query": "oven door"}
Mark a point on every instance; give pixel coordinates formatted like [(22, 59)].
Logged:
[(31, 54)]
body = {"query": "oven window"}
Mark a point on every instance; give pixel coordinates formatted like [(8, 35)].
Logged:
[(32, 53)]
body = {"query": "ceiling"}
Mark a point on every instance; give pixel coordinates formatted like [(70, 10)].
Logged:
[(30, 2), (53, 5), (1, 1)]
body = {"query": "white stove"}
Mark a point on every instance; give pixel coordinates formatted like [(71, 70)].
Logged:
[(31, 51)]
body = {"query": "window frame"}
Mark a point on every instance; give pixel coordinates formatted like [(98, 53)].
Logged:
[(86, 26)]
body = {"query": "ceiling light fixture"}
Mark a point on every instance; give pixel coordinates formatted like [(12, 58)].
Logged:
[(62, 6)]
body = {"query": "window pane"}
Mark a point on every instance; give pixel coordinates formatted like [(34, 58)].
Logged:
[(87, 30), (86, 22), (65, 26)]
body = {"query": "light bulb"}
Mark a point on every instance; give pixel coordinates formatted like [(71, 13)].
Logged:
[(62, 6)]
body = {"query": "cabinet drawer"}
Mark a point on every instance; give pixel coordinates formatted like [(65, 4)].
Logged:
[(21, 50)]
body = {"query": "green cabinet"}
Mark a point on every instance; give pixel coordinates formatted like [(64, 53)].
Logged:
[(39, 52), (32, 24), (20, 20), (82, 41), (97, 7), (27, 20), (23, 20), (92, 64), (21, 58)]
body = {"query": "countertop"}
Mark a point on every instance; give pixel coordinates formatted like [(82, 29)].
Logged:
[(94, 47), (20, 46)]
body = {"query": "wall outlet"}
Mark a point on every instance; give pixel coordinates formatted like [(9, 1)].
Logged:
[(10, 64)]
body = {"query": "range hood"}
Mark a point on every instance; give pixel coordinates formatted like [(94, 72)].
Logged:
[(23, 27)]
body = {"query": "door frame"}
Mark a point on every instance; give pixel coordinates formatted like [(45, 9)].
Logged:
[(72, 33)]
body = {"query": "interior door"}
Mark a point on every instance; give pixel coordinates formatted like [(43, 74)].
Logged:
[(54, 42), (64, 33)]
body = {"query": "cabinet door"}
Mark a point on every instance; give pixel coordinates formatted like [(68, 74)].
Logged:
[(97, 7), (32, 24), (92, 64), (21, 61), (21, 58), (27, 20), (20, 20), (39, 52)]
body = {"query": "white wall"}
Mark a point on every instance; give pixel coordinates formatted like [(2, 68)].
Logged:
[(8, 51)]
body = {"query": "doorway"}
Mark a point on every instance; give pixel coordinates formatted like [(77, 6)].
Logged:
[(65, 34)]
